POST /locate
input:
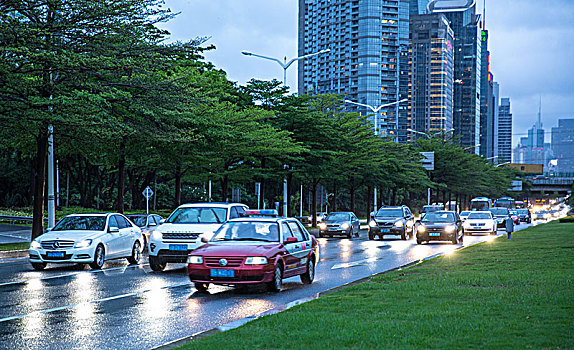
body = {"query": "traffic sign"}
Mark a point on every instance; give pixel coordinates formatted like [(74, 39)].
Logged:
[(147, 192)]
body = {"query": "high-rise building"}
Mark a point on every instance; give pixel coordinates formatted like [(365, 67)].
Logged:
[(465, 24), (495, 104), (563, 145), (418, 7), (504, 131), (487, 107), (368, 40), (431, 74)]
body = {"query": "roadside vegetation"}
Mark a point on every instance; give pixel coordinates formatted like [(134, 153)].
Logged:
[(14, 246), (516, 293)]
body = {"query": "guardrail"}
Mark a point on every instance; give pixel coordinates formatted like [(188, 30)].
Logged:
[(14, 219)]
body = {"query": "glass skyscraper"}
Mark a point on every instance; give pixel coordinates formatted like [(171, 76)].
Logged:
[(431, 75), (504, 131), (368, 61)]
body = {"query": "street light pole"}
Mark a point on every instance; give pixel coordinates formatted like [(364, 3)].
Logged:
[(285, 65), (376, 112), (430, 136)]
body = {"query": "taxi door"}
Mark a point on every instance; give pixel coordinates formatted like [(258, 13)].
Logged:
[(289, 258), (303, 247)]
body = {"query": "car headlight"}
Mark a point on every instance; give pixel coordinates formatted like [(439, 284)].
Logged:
[(35, 245), (449, 229), (83, 244), (345, 226), (322, 226), (156, 236), (399, 224), (546, 216), (421, 229), (195, 259), (256, 260), (373, 223)]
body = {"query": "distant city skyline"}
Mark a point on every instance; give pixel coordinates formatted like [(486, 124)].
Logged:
[(529, 44)]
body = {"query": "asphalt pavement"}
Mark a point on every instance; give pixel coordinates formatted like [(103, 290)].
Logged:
[(131, 307), (15, 234)]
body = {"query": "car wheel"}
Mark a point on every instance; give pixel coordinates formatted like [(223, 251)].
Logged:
[(404, 235), (144, 243), (321, 235), (350, 234), (201, 287), (309, 275), (39, 266), (419, 241), (455, 239), (277, 281), (136, 254), (99, 257), (156, 264), (371, 236)]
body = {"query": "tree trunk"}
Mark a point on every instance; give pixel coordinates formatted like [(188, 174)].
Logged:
[(262, 186), (39, 183), (335, 194), (394, 196), (121, 176), (177, 198), (314, 205), (225, 188), (369, 201)]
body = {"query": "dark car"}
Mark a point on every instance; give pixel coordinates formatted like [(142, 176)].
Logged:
[(440, 226), (146, 222), (392, 221), (500, 215), (340, 223)]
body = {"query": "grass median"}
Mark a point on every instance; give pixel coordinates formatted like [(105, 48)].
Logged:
[(14, 246), (502, 293)]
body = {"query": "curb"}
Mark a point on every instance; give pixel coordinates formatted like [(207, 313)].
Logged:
[(235, 324), (11, 254)]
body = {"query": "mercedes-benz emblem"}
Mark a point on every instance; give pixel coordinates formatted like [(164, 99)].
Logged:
[(222, 262), (56, 245)]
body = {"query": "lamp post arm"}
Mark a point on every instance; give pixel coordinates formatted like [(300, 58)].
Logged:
[(265, 57), (304, 57)]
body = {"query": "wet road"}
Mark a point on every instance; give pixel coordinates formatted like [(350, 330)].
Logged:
[(132, 307)]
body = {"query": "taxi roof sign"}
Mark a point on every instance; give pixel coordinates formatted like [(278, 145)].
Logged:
[(261, 212)]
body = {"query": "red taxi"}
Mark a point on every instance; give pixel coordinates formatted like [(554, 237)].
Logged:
[(261, 248)]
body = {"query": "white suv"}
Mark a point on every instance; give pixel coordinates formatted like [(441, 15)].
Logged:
[(182, 231)]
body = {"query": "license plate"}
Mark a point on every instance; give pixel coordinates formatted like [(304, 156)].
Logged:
[(222, 273), (55, 254), (386, 230), (434, 234), (476, 227), (178, 247), (333, 229)]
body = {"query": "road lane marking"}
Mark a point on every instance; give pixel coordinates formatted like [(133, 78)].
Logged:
[(354, 263), (114, 297), (71, 274)]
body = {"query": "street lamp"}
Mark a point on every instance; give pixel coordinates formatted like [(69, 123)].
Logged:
[(430, 136), (497, 165), (285, 65), (376, 112)]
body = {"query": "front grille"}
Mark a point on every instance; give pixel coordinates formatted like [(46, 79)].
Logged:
[(255, 278), (66, 257), (214, 262), (62, 244), (180, 235), (333, 225)]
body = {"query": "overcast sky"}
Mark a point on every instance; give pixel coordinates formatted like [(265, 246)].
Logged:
[(531, 44)]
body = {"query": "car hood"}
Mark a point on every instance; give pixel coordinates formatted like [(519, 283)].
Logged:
[(190, 228), (338, 222), (382, 220), (478, 221), (235, 249), (436, 224), (70, 235)]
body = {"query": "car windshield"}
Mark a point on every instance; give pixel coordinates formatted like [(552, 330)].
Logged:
[(438, 217), (195, 215), (138, 220), (479, 216), (389, 213), (247, 231), (522, 211), (338, 217), (82, 223), (499, 211), (464, 213)]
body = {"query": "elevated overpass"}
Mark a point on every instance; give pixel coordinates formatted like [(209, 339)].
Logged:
[(552, 183)]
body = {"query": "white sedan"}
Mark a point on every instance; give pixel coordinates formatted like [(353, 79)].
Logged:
[(88, 239), (480, 222)]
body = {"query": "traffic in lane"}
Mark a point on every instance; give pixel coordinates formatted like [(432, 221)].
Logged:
[(134, 307)]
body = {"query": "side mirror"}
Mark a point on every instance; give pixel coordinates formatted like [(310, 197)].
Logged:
[(204, 239), (291, 240), (152, 224), (114, 229)]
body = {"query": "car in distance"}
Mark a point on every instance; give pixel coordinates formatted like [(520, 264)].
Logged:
[(514, 216), (320, 217), (440, 226), (340, 223), (431, 208), (500, 215), (146, 222), (524, 215), (87, 239), (255, 250), (392, 221), (181, 232), (480, 222), (464, 214)]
